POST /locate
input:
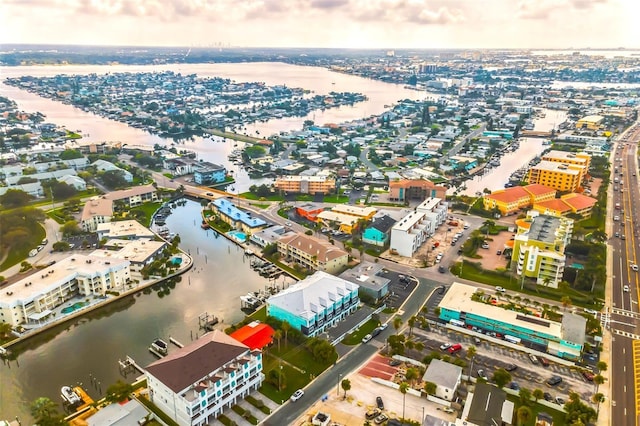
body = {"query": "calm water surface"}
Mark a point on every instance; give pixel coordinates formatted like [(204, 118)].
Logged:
[(91, 346)]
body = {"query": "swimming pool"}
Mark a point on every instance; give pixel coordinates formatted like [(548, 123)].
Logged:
[(72, 308), (238, 236)]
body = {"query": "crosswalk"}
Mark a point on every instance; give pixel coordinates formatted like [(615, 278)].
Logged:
[(626, 334)]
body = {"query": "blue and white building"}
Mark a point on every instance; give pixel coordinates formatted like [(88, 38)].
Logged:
[(194, 384), (237, 218), (315, 303), (209, 174)]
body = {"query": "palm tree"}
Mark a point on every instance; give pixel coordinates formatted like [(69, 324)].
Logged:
[(411, 322), (525, 396), (411, 375), (285, 328), (566, 302), (602, 366), (397, 323), (278, 335), (597, 398), (598, 379), (404, 387), (471, 354)]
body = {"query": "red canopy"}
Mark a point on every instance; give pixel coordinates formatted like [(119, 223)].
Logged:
[(256, 335)]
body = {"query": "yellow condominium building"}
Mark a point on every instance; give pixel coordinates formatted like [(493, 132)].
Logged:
[(306, 184), (590, 122), (560, 176), (312, 253), (538, 248), (511, 200), (575, 158)]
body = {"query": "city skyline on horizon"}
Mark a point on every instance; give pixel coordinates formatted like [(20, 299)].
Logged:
[(354, 24)]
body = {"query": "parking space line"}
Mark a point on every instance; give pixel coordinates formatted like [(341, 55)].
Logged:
[(636, 373)]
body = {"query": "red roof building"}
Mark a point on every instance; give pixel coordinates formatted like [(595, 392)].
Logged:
[(256, 335)]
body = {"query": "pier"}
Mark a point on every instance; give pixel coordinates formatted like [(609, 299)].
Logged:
[(207, 322), (129, 366)]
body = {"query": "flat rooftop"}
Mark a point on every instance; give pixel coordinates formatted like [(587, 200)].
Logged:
[(458, 299), (51, 277), (125, 228), (135, 251), (554, 166)]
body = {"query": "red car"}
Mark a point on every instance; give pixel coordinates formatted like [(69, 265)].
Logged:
[(588, 375)]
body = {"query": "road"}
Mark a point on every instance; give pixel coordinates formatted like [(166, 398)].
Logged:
[(622, 316), (457, 147), (329, 380)]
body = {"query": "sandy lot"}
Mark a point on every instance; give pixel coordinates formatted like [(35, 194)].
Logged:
[(362, 397)]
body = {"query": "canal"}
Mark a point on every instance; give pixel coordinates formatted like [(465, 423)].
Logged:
[(87, 350)]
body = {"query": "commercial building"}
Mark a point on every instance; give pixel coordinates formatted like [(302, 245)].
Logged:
[(305, 184), (539, 245), (445, 376), (419, 189), (346, 217), (33, 298), (566, 157), (569, 203), (135, 196), (560, 176), (590, 122), (209, 174), (270, 235), (124, 229), (309, 211), (237, 218), (370, 277), (315, 303), (194, 384), (564, 340), (95, 212), (410, 232), (511, 200), (312, 253)]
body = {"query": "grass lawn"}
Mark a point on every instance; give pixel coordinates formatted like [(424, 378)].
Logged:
[(295, 379), (54, 214), (356, 337), (558, 416), (252, 196), (15, 256), (148, 209), (338, 199), (261, 206)]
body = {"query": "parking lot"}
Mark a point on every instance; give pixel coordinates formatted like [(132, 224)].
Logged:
[(491, 356)]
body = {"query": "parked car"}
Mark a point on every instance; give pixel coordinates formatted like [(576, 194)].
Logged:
[(501, 289), (548, 397), (442, 269), (394, 362), (445, 346), (533, 358), (560, 400), (482, 375), (383, 326), (554, 380), (455, 348), (514, 386), (366, 338), (381, 419), (379, 403), (372, 414), (588, 376), (297, 395), (485, 246), (510, 367), (544, 361)]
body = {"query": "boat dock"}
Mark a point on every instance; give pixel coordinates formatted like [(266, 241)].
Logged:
[(86, 399), (129, 365), (207, 322), (175, 342)]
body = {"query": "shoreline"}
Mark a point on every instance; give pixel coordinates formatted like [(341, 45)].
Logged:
[(93, 307)]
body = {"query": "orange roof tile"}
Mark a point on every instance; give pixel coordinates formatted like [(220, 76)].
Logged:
[(579, 201), (509, 195), (555, 205), (537, 189)]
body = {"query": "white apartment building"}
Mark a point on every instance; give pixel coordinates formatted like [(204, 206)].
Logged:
[(410, 232), (33, 298), (95, 212), (194, 384)]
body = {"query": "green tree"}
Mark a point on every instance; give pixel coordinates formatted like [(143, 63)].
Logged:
[(286, 327), (566, 302), (525, 396), (45, 413), (397, 323), (501, 377), (602, 366), (70, 228), (5, 330), (15, 198), (538, 394), (411, 322), (412, 374), (119, 391), (430, 388), (278, 336), (598, 398), (523, 415), (346, 385)]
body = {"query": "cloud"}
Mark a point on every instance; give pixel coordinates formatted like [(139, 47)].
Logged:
[(538, 9), (328, 4)]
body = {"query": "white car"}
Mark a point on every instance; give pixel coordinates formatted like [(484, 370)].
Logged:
[(485, 246), (626, 288), (501, 289), (366, 338), (634, 267), (297, 395), (445, 346)]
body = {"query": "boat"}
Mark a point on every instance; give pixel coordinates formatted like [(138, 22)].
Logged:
[(70, 396), (160, 346)]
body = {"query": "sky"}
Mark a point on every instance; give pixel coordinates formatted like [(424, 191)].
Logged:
[(324, 23)]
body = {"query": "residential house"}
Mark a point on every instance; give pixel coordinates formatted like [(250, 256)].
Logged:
[(237, 218), (193, 385), (209, 174), (312, 253), (106, 166), (487, 405), (445, 376), (379, 231)]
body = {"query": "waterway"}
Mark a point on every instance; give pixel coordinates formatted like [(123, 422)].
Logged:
[(87, 350), (528, 149), (318, 80)]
